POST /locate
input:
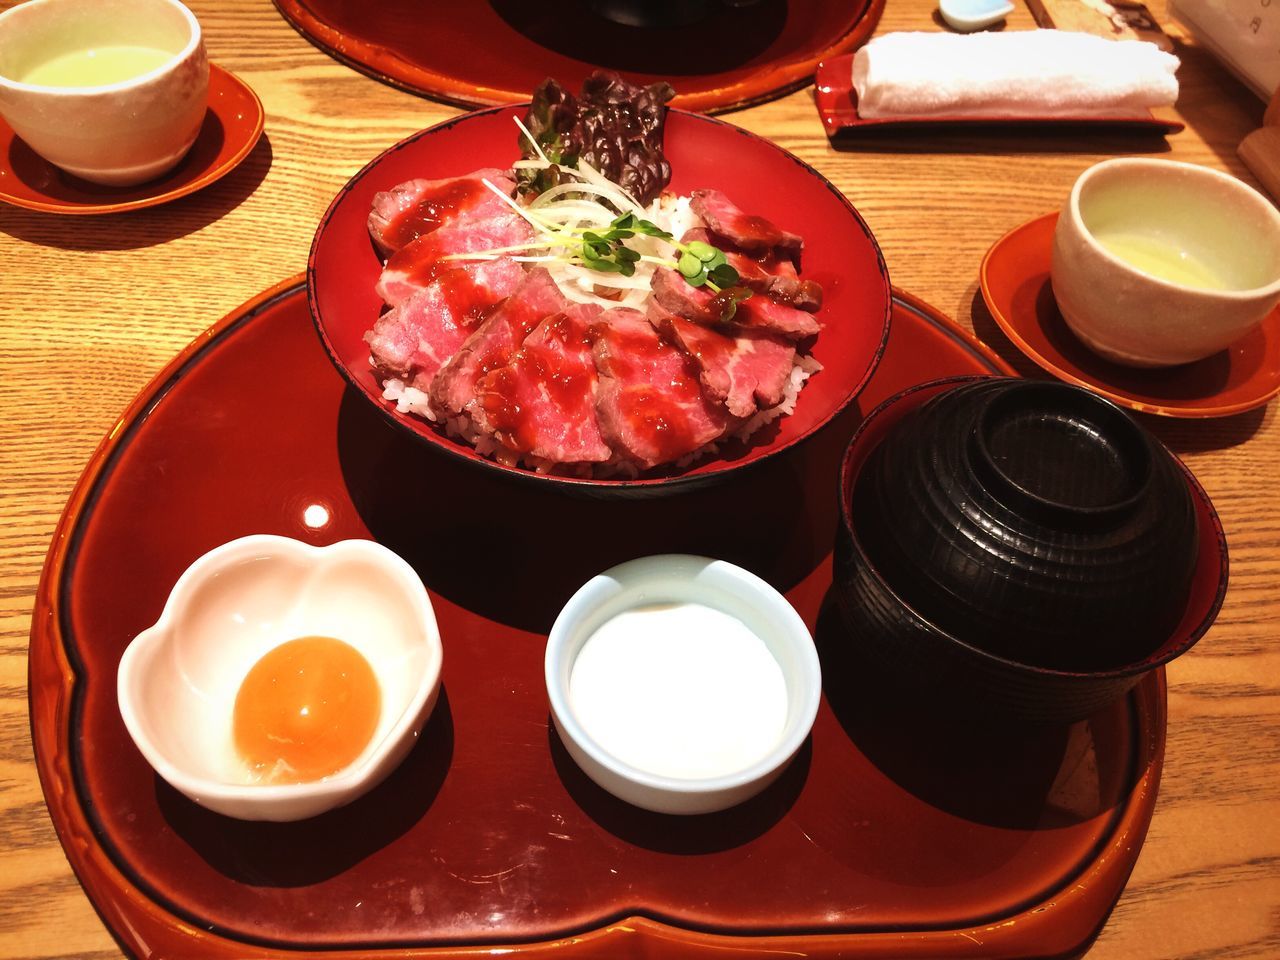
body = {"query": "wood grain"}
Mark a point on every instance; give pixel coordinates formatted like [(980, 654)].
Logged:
[(91, 308)]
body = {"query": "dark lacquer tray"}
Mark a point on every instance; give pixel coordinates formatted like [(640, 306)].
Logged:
[(485, 52), (897, 832)]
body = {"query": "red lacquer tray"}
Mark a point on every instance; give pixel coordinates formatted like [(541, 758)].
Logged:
[(837, 103), (897, 831), (485, 52)]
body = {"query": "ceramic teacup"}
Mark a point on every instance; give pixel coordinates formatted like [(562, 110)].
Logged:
[(1157, 263), (113, 91)]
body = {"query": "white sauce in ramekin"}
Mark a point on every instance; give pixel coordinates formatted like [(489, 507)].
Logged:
[(679, 690)]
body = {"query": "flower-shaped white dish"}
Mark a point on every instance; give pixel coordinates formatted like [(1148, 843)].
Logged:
[(178, 679), (681, 684)]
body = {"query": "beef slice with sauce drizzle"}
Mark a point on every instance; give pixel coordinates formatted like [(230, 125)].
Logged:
[(675, 295), (417, 207), (412, 341), (417, 263), (747, 370), (744, 230), (543, 403), (764, 273), (491, 345), (650, 403)]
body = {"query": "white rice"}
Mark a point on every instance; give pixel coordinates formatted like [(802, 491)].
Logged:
[(805, 368), (411, 400), (407, 399), (674, 214)]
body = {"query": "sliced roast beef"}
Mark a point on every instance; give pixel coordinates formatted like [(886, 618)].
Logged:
[(414, 265), (755, 313), (650, 403), (748, 370), (782, 287), (412, 341), (416, 207), (765, 273), (745, 231), (492, 343), (543, 403), (761, 313)]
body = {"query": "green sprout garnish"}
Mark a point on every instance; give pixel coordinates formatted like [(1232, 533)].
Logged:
[(606, 251), (699, 263)]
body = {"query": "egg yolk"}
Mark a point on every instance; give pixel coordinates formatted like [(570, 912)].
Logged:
[(307, 709)]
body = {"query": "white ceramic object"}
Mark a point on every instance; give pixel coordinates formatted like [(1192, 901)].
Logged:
[(1138, 319), (118, 134), (178, 679), (679, 578), (966, 16)]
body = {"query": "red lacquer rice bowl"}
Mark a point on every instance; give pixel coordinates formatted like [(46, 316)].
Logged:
[(839, 253)]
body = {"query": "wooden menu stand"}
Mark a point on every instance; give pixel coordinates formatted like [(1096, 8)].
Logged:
[(1260, 150)]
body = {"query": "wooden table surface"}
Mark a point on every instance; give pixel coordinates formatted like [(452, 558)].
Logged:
[(92, 307)]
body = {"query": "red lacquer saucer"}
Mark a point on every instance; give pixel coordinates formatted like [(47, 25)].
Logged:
[(898, 831), (231, 128), (486, 52), (1015, 285), (837, 103)]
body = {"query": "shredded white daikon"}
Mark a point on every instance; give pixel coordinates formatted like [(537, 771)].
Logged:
[(590, 202), (561, 215)]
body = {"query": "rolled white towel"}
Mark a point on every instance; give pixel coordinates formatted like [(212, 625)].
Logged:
[(1031, 73)]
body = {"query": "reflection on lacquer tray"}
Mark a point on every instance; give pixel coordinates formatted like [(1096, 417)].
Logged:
[(682, 835), (307, 852), (1008, 774), (514, 552)]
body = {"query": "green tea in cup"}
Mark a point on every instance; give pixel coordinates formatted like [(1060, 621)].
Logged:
[(97, 66)]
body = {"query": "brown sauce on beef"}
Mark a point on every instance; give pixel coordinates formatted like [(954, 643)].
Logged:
[(749, 230), (562, 373), (432, 209), (658, 413), (469, 301)]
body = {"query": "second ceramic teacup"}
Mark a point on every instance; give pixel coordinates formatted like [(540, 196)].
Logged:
[(113, 91), (1157, 263)]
